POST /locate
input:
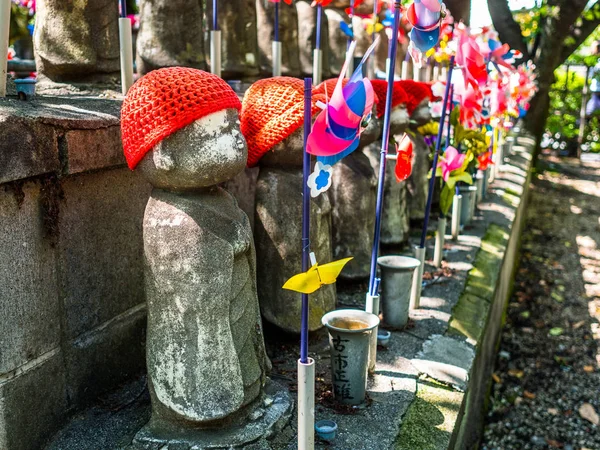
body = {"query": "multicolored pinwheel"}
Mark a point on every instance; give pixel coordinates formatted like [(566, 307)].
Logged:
[(425, 17)]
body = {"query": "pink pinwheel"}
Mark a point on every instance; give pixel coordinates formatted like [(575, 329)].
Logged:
[(471, 61), (471, 106), (451, 160)]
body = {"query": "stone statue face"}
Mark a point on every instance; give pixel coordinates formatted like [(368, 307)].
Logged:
[(373, 130), (207, 152), (399, 121)]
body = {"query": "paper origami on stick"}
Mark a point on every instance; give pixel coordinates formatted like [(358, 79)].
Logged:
[(315, 277)]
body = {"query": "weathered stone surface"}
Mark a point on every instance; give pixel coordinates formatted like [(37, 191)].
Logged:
[(338, 41), (77, 41), (307, 38), (100, 246), (422, 114), (27, 148), (206, 358), (239, 41), (417, 183), (446, 360), (29, 306), (278, 237), (353, 195), (94, 149), (104, 358), (243, 188), (395, 218), (171, 34), (288, 36), (34, 404)]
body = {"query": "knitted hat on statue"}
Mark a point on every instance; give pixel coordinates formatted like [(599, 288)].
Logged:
[(399, 97), (416, 92), (167, 100), (272, 110), (328, 86)]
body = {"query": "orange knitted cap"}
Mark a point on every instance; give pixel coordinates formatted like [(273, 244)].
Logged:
[(399, 97), (166, 100), (272, 110), (416, 92)]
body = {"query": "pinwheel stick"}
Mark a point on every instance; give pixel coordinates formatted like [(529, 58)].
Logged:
[(437, 153), (126, 47), (306, 365), (318, 53), (215, 42), (276, 47), (4, 34), (384, 149)]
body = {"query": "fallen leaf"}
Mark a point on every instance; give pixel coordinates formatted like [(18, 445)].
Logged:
[(588, 369), (516, 373), (529, 395), (567, 244), (496, 379), (553, 443), (553, 411), (556, 296), (518, 401), (578, 325), (556, 331), (525, 314), (587, 412)]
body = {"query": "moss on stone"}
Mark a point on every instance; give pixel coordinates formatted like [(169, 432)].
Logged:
[(469, 316), (430, 419)]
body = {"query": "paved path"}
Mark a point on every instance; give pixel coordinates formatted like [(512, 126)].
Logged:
[(546, 391)]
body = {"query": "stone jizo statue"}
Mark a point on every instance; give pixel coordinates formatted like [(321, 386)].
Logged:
[(205, 352)]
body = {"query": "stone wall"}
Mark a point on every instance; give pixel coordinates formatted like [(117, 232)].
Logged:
[(71, 295)]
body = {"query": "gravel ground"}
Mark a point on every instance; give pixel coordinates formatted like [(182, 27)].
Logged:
[(546, 389)]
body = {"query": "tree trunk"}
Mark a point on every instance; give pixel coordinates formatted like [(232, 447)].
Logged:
[(460, 9), (535, 120)]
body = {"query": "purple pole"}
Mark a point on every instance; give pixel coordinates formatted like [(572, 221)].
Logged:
[(450, 104), (215, 14), (319, 13), (123, 8), (436, 154), (384, 148), (305, 217), (277, 22)]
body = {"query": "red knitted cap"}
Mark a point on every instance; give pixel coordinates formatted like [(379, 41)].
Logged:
[(329, 85), (166, 100), (399, 97), (272, 110), (416, 92)]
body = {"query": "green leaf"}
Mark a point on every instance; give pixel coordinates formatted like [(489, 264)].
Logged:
[(457, 176), (446, 197), (556, 331)]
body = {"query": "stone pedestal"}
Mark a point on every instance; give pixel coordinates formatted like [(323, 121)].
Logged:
[(288, 35), (278, 237), (77, 41), (237, 22), (171, 34), (307, 36)]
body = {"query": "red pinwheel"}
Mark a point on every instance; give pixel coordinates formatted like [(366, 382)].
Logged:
[(471, 61), (484, 160), (404, 155), (323, 3)]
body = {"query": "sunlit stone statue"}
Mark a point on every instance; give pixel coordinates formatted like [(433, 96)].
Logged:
[(205, 353)]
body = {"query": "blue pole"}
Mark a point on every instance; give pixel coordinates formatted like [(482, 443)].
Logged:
[(123, 8), (319, 14), (436, 154), (276, 22), (215, 14), (384, 146), (305, 217)]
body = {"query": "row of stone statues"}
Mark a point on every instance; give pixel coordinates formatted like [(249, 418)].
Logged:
[(207, 367), (79, 42)]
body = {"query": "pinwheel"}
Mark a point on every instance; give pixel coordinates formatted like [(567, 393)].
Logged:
[(500, 54), (484, 160), (424, 16), (336, 131), (316, 277), (404, 157), (471, 61)]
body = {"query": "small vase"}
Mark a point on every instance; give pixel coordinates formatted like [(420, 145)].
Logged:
[(440, 238), (468, 197), (349, 341), (456, 212), (397, 274)]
